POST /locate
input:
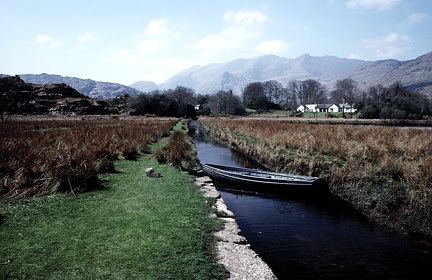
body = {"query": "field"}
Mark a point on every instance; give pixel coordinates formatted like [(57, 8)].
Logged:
[(63, 219), (39, 157), (386, 172)]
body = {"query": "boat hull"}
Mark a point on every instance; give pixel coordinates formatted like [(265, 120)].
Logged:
[(260, 179)]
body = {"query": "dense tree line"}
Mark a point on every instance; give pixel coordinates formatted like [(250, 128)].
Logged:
[(182, 101), (171, 103), (393, 102)]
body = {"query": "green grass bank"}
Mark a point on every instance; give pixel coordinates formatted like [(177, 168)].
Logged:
[(135, 227)]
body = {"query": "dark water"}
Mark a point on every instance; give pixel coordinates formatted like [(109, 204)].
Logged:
[(322, 237)]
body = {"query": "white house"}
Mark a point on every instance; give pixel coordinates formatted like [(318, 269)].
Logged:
[(331, 108), (327, 108), (346, 108), (307, 108)]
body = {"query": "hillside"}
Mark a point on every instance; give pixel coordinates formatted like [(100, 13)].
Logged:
[(235, 75), (238, 73), (90, 88), (144, 86), (19, 97), (415, 74)]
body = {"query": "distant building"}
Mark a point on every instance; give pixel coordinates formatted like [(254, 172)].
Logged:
[(307, 108), (346, 108), (331, 108)]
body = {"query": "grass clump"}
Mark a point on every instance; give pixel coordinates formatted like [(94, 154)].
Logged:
[(178, 152), (137, 227)]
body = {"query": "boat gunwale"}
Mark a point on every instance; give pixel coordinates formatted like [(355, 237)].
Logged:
[(235, 175)]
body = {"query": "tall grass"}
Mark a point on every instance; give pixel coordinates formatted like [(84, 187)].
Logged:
[(136, 228), (353, 159), (47, 156), (178, 152)]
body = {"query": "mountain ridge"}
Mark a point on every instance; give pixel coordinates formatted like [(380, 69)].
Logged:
[(94, 89), (415, 74), (236, 74)]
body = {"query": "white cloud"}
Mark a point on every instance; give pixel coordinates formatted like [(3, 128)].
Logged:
[(159, 28), (45, 39), (242, 27), (389, 52), (417, 17), (156, 27), (272, 47), (42, 39), (229, 38), (391, 45), (381, 5), (87, 37), (158, 36), (391, 38)]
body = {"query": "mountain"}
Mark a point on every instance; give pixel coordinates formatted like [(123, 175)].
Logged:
[(144, 86), (234, 75), (414, 74), (90, 88)]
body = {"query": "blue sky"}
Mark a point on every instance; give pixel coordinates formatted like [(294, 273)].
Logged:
[(131, 40)]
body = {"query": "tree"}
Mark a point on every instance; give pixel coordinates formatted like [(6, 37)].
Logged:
[(346, 92), (156, 103), (184, 99), (394, 102), (225, 102), (294, 91), (203, 102), (274, 91), (254, 97), (307, 92), (314, 91)]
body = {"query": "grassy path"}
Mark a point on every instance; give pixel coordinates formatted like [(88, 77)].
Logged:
[(135, 228)]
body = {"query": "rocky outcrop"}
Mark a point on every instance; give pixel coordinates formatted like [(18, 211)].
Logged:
[(19, 97)]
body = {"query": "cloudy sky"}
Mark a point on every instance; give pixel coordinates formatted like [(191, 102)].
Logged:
[(146, 40)]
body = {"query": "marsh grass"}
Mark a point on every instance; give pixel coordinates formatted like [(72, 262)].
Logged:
[(382, 168), (47, 156), (178, 152)]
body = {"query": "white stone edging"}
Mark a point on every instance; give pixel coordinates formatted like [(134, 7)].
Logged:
[(232, 249)]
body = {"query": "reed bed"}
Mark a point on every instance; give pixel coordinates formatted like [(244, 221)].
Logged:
[(381, 161), (179, 152), (39, 157)]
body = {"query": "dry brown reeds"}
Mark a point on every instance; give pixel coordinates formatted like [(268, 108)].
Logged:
[(179, 152), (45, 156), (347, 156)]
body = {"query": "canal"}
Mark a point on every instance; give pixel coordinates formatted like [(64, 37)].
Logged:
[(319, 237)]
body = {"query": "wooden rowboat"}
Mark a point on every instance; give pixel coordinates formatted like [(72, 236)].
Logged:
[(260, 177)]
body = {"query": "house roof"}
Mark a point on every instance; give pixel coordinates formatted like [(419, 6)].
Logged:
[(324, 106)]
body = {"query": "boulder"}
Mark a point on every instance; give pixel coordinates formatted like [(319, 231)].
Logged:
[(151, 172)]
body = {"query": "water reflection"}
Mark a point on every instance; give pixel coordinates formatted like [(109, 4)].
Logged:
[(310, 239)]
